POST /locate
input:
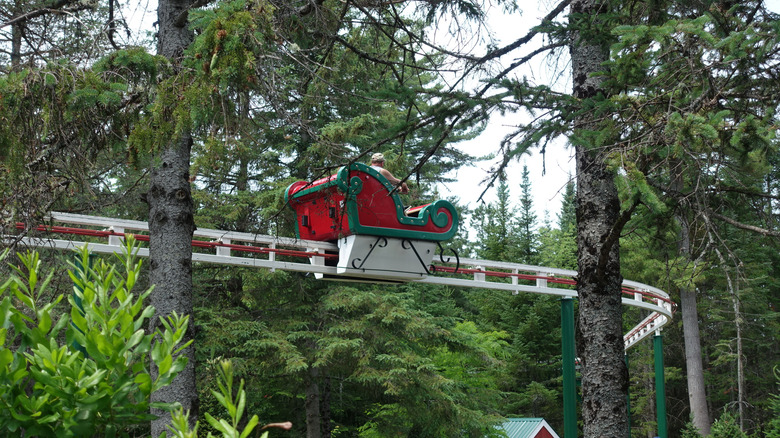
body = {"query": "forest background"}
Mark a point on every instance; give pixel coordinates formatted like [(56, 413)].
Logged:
[(259, 94)]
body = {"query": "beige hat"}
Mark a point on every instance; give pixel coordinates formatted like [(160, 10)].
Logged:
[(377, 157)]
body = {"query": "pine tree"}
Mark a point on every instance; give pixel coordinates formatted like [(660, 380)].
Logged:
[(527, 236), (567, 218), (366, 356), (301, 139), (171, 217), (495, 226), (558, 247), (604, 373)]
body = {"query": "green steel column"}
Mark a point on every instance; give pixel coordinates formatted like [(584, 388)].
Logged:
[(628, 397), (660, 387), (569, 375)]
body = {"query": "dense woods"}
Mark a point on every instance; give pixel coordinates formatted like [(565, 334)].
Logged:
[(206, 117)]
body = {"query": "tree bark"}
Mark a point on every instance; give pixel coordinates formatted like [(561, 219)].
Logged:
[(697, 397), (325, 408), (740, 360), (312, 404), (694, 368), (16, 46), (171, 225), (604, 372)]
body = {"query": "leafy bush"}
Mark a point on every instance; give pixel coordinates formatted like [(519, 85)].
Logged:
[(726, 427), (773, 428), (93, 379), (690, 431), (233, 404)]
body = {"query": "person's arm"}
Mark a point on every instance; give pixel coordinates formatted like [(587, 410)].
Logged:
[(393, 180)]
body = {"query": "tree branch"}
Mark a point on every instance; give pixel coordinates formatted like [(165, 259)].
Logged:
[(614, 236), (181, 20), (534, 31), (306, 10), (374, 59), (740, 225), (747, 192), (460, 114), (57, 7)]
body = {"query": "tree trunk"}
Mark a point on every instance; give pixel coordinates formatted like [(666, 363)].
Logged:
[(16, 46), (697, 397), (171, 225), (649, 383), (694, 368), (738, 326), (313, 419), (325, 408), (740, 363), (740, 360), (17, 32), (604, 372)]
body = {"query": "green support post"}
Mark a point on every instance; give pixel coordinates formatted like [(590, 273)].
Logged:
[(660, 386), (569, 374)]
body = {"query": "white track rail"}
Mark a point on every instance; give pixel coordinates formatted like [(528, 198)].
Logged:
[(260, 251)]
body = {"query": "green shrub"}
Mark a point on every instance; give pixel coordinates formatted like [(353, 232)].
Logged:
[(690, 431), (87, 373), (726, 427), (234, 404), (773, 428)]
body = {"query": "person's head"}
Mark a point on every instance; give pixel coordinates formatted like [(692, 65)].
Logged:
[(378, 159)]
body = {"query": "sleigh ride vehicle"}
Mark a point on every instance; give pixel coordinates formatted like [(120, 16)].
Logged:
[(378, 238)]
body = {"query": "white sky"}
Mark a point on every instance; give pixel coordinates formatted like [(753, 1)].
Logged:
[(140, 15)]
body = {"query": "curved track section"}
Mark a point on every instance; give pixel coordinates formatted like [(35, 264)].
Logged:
[(104, 235)]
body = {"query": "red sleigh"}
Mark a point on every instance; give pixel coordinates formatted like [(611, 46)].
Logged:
[(358, 208)]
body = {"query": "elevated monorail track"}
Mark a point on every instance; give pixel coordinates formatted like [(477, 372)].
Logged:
[(104, 235)]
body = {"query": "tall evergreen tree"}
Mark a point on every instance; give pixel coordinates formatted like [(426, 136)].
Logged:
[(558, 245), (704, 57), (345, 102), (567, 217), (599, 223), (526, 223), (494, 223), (171, 213)]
